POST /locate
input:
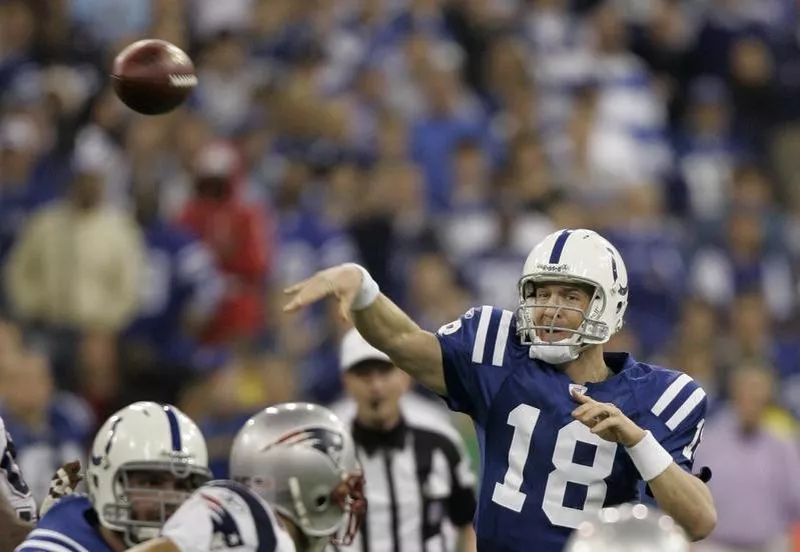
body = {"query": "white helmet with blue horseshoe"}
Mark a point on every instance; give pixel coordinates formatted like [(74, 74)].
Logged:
[(580, 257), (145, 461)]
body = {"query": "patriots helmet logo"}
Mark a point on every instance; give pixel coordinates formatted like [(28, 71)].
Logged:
[(326, 441)]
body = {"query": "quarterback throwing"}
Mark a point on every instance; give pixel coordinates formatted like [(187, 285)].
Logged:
[(564, 428)]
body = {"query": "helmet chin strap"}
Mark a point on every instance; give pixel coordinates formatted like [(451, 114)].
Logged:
[(557, 352)]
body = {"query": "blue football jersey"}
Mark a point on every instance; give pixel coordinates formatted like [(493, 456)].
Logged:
[(69, 526), (543, 472)]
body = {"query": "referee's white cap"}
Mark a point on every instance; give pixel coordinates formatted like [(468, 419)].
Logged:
[(355, 350)]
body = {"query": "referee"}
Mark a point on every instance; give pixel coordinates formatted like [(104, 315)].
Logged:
[(419, 485)]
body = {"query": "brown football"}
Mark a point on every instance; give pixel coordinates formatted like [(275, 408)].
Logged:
[(153, 76)]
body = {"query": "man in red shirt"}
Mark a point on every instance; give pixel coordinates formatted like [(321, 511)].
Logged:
[(236, 231)]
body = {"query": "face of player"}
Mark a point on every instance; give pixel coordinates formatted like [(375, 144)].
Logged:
[(559, 305), (147, 490), (377, 387)]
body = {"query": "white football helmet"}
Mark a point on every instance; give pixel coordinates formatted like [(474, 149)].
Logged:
[(144, 437), (629, 528), (573, 256)]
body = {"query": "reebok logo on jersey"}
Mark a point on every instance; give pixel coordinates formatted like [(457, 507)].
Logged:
[(577, 388)]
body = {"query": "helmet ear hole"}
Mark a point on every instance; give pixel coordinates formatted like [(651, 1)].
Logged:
[(321, 502)]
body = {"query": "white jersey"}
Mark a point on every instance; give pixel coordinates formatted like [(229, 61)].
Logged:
[(13, 488), (225, 515)]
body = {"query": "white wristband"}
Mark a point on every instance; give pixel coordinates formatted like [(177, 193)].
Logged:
[(367, 293), (649, 457)]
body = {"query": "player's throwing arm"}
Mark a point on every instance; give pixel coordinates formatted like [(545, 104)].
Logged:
[(377, 318)]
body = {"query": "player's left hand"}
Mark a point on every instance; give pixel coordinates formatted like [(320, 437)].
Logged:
[(606, 421)]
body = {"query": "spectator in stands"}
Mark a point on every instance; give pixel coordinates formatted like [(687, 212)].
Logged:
[(653, 247), (50, 428), (237, 233), (744, 261), (22, 188), (77, 263), (180, 291), (17, 60), (752, 334), (451, 113), (756, 474)]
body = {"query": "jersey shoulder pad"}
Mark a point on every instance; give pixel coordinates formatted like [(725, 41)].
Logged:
[(66, 511), (484, 333), (65, 528), (671, 396)]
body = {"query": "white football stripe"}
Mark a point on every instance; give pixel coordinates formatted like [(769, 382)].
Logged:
[(480, 337), (686, 408), (671, 392), (37, 545), (502, 338), (55, 535)]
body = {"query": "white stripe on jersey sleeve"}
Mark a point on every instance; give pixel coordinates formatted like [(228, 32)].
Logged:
[(3, 442), (502, 338), (686, 408), (671, 392), (34, 545), (62, 538), (480, 336)]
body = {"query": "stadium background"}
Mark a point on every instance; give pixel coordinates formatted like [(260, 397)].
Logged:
[(433, 141)]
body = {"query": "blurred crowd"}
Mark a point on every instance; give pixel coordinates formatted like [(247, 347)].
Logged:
[(434, 142)]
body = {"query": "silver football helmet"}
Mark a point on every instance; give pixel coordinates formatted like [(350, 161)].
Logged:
[(301, 459), (629, 528)]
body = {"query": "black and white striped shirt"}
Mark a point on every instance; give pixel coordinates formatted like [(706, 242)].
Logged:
[(419, 484)]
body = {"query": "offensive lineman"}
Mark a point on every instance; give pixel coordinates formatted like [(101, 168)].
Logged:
[(18, 503), (13, 525), (564, 428), (145, 461)]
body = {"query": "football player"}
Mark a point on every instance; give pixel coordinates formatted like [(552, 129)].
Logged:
[(145, 461), (564, 428), (18, 511), (629, 528), (12, 484), (297, 486), (16, 522)]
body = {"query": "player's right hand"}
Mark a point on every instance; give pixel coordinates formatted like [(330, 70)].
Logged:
[(342, 282)]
